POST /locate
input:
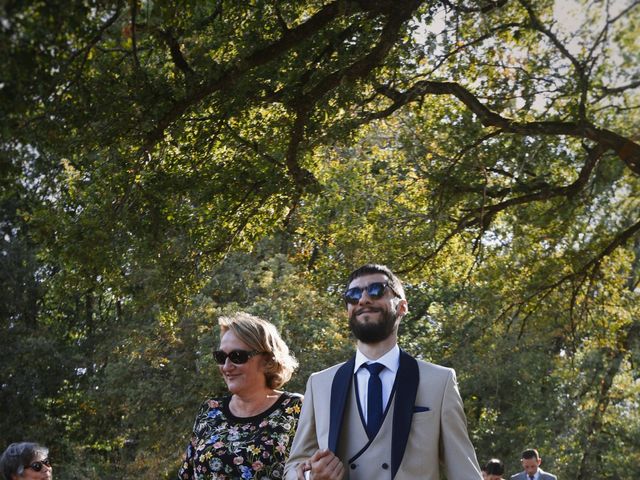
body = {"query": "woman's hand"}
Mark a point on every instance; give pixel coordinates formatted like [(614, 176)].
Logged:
[(323, 465)]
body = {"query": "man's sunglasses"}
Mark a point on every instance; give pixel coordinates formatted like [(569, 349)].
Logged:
[(374, 291), (236, 356), (37, 466)]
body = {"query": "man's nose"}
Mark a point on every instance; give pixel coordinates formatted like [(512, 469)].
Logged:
[(364, 298)]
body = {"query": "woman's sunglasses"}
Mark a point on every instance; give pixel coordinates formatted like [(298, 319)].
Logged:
[(37, 466), (374, 291), (236, 356)]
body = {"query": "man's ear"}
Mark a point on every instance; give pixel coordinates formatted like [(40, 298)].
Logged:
[(402, 308)]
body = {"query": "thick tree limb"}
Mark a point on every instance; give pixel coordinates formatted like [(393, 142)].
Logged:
[(176, 53), (241, 66), (627, 150), (483, 7), (360, 68), (620, 89), (397, 12), (482, 216)]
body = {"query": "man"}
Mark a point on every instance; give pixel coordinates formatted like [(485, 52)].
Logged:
[(382, 414), (531, 463)]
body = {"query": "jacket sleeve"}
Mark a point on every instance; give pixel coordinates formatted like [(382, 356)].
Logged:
[(305, 442), (458, 454)]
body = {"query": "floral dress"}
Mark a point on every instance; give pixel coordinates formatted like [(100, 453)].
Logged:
[(224, 446)]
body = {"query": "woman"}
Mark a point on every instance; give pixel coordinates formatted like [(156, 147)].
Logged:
[(25, 461), (494, 469), (247, 434)]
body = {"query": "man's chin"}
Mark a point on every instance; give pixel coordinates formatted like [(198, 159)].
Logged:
[(370, 333), (370, 339), (368, 317)]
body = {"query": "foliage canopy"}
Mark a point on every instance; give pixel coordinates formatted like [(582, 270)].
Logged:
[(166, 162)]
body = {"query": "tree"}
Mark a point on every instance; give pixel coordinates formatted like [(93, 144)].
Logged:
[(485, 150)]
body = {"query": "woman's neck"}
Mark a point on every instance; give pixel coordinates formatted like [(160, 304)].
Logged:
[(253, 403)]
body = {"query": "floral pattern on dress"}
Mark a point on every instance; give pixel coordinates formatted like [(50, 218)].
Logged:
[(225, 447)]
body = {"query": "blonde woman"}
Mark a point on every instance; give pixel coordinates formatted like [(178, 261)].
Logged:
[(248, 433)]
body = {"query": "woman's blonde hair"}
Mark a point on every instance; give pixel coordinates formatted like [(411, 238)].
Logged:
[(262, 336)]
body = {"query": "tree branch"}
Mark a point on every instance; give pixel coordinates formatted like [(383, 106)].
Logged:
[(241, 66), (577, 65), (620, 89), (134, 41), (482, 216), (627, 150), (588, 268), (84, 51), (254, 146), (304, 103), (487, 7), (176, 54)]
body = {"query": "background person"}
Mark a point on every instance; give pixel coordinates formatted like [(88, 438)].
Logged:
[(494, 469), (246, 434), (382, 414), (26, 461), (531, 461)]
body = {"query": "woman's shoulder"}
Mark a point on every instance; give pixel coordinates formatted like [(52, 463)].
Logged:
[(291, 403), (290, 398), (292, 395), (213, 404)]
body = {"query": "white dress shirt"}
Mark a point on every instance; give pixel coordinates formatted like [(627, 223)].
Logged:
[(391, 360)]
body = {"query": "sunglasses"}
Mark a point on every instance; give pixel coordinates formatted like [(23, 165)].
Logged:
[(374, 291), (37, 466), (236, 356)]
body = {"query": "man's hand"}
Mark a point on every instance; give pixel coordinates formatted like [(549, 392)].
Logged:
[(323, 465)]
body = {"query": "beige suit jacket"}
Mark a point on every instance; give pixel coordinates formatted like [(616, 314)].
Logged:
[(429, 429)]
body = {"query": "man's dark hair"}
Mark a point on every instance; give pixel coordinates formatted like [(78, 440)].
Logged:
[(494, 467), (530, 453), (372, 268)]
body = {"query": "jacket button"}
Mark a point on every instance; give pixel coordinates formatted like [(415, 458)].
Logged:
[(353, 466), (385, 466)]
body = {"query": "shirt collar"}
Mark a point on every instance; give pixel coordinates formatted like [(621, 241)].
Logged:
[(391, 359)]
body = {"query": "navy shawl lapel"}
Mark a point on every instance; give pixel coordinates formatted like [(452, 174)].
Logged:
[(407, 381), (339, 393)]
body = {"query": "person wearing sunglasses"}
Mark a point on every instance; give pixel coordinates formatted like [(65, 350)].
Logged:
[(248, 433), (382, 414), (25, 461)]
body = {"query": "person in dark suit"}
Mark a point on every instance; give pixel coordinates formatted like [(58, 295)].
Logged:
[(382, 414), (531, 461)]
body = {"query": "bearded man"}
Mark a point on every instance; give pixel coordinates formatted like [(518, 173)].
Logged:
[(382, 414)]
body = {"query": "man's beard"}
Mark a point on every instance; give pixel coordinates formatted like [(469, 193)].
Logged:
[(373, 331)]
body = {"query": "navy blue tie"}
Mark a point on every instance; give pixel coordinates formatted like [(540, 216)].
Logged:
[(374, 399)]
